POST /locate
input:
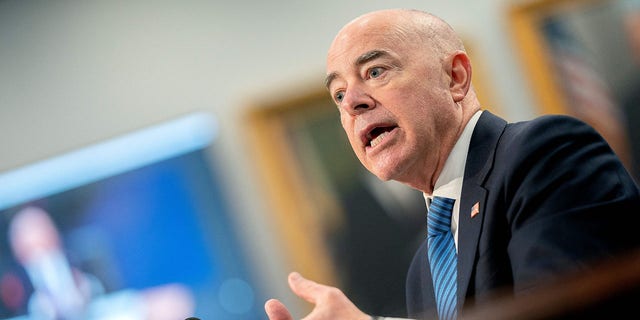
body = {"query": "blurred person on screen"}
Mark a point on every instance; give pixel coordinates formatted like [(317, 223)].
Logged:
[(64, 292)]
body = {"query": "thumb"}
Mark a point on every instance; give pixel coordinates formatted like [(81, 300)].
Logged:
[(276, 310), (305, 288)]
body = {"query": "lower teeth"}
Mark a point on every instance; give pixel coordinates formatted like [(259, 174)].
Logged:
[(378, 139)]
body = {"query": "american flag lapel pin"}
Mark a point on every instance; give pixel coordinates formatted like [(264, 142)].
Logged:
[(475, 209)]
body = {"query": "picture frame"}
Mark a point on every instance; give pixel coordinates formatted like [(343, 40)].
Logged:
[(579, 58), (337, 223)]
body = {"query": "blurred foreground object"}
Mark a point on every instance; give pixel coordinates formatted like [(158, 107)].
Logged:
[(608, 291)]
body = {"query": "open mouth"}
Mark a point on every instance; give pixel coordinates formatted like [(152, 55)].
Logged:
[(378, 134)]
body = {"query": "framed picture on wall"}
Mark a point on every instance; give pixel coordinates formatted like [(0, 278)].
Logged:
[(582, 58), (338, 223)]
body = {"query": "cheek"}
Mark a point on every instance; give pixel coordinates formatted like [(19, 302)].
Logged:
[(354, 141), (344, 120), (347, 126)]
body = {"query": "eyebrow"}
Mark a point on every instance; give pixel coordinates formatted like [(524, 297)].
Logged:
[(362, 59)]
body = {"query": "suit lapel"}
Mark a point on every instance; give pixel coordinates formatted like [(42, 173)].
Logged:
[(468, 235), (479, 163)]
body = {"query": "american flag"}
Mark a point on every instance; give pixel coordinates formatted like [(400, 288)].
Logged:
[(587, 95)]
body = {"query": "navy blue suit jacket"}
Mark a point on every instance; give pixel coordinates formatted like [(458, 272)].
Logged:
[(553, 197)]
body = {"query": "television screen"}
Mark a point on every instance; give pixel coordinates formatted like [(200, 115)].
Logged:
[(132, 228)]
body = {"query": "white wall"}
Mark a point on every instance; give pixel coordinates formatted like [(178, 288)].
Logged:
[(76, 72)]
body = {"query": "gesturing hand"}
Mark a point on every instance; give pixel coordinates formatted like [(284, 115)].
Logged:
[(330, 303)]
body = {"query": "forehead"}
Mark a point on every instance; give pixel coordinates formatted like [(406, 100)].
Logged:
[(358, 38), (354, 45), (364, 41)]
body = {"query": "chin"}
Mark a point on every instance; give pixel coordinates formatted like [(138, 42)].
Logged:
[(385, 173), (395, 169), (383, 177)]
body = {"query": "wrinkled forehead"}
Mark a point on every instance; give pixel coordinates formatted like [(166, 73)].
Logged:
[(364, 35)]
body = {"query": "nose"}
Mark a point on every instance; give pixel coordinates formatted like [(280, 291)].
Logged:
[(356, 101)]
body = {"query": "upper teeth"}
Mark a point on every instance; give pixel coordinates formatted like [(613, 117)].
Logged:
[(379, 138)]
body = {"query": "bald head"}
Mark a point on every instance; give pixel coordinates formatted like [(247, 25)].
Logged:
[(408, 26)]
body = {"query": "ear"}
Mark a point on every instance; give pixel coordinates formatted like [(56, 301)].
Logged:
[(460, 73)]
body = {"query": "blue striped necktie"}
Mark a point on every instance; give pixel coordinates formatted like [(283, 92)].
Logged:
[(442, 256)]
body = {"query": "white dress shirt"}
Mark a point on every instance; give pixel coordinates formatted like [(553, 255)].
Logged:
[(449, 183)]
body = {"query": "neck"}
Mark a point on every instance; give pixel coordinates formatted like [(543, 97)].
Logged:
[(427, 185)]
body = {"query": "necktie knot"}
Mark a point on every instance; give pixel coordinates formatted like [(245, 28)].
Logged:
[(439, 216)]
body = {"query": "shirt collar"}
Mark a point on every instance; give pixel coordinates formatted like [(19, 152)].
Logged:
[(449, 183)]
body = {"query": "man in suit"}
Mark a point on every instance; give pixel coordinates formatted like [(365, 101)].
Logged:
[(527, 201)]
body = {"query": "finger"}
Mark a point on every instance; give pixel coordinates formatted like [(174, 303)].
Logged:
[(305, 288), (276, 310)]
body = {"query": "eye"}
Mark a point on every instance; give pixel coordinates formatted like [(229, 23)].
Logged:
[(338, 96), (375, 72)]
